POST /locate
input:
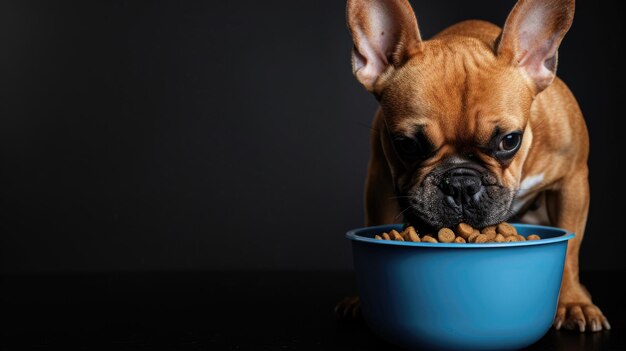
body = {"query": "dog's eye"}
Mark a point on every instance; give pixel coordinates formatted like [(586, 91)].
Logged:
[(508, 145), (407, 148), (510, 142)]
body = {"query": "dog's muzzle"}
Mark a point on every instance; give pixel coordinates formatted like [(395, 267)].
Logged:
[(461, 186)]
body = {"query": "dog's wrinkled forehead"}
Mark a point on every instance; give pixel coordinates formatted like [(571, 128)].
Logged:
[(458, 87)]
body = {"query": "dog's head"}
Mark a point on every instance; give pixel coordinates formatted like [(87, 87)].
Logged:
[(456, 108)]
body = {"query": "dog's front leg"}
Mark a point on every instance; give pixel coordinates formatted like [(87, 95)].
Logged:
[(568, 206), (381, 205)]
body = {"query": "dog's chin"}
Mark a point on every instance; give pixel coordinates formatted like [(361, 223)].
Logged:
[(431, 222), (425, 224), (430, 209)]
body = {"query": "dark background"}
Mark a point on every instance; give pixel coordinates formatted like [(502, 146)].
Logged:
[(219, 135)]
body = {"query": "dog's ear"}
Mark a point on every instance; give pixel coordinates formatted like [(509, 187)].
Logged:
[(384, 33), (532, 34)]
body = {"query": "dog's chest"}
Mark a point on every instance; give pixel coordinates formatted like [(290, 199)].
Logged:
[(529, 205)]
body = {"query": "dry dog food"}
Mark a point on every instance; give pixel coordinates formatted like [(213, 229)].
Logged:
[(501, 233), (446, 235)]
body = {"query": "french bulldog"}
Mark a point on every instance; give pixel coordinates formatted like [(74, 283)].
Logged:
[(474, 126)]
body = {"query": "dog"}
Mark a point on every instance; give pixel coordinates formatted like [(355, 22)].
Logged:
[(474, 126)]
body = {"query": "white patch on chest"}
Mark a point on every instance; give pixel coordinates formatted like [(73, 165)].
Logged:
[(529, 183), (525, 191)]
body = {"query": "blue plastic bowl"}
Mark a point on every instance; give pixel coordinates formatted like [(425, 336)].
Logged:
[(490, 296)]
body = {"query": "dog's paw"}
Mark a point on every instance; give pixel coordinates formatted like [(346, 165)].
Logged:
[(348, 307), (581, 317)]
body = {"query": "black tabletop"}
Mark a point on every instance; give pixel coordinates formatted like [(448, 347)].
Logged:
[(223, 311)]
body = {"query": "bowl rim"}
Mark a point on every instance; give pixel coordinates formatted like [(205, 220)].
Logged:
[(353, 235)]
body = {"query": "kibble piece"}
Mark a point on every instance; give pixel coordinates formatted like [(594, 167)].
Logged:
[(520, 238), (445, 235), (386, 236), (378, 237), (412, 235), (405, 232), (490, 235), (459, 240), (534, 237), (472, 238), (481, 238), (499, 238), (464, 230), (395, 235), (429, 239), (511, 238), (488, 230), (506, 229)]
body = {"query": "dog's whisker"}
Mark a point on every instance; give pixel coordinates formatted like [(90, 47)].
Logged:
[(366, 126), (387, 129), (509, 211), (401, 213)]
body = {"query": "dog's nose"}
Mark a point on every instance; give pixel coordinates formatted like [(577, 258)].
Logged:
[(461, 185)]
